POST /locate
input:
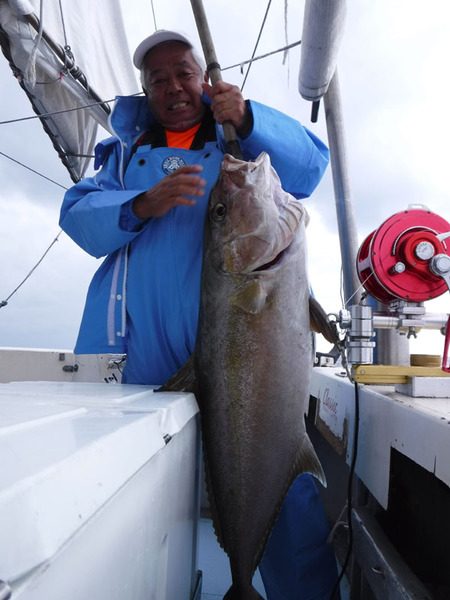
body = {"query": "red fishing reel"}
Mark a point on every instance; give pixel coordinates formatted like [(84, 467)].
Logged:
[(406, 258)]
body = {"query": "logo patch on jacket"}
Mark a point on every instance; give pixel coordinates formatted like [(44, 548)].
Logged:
[(172, 164)]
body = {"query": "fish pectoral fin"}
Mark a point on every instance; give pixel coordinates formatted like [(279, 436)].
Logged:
[(320, 323), (183, 380), (252, 297), (308, 462)]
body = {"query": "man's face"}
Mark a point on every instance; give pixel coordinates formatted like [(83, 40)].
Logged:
[(173, 85)]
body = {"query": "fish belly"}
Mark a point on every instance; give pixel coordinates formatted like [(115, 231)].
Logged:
[(253, 372)]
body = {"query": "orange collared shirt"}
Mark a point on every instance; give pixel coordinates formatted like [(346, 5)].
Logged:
[(181, 139)]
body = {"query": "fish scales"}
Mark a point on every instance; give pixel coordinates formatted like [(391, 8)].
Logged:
[(253, 358)]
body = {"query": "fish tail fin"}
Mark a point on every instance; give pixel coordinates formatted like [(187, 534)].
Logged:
[(307, 461), (242, 593), (320, 322)]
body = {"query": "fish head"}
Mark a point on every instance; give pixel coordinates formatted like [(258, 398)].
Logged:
[(252, 220)]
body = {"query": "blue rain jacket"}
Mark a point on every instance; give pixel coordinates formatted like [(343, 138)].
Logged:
[(298, 562), (144, 298)]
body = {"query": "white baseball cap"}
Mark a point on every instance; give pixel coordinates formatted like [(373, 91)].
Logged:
[(158, 37)]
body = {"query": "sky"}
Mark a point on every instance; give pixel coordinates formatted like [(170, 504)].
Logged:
[(393, 73)]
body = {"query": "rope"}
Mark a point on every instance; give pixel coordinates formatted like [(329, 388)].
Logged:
[(257, 42), (30, 69), (5, 302)]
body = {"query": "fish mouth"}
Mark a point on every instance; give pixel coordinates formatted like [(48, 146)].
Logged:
[(244, 255), (268, 266)]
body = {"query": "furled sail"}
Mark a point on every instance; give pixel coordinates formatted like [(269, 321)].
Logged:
[(323, 28), (67, 55)]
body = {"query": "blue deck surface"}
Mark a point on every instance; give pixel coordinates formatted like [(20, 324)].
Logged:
[(213, 562)]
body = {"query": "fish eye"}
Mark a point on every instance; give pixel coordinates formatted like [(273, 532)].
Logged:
[(219, 211)]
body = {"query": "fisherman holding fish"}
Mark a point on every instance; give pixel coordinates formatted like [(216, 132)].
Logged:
[(145, 211)]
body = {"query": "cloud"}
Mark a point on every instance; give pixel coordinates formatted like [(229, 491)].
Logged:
[(45, 312), (392, 71)]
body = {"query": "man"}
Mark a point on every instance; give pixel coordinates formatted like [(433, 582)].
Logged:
[(145, 209)]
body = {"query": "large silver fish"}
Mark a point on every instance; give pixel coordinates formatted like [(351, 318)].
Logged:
[(253, 359)]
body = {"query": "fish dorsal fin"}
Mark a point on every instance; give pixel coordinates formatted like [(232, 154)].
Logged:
[(183, 380), (307, 462), (252, 297)]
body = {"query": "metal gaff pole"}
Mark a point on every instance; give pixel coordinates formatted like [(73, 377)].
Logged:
[(214, 72)]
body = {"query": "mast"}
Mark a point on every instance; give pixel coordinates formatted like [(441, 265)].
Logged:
[(323, 27)]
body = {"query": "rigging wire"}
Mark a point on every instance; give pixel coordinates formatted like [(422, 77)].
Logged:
[(33, 170), (44, 115), (261, 56), (5, 302), (286, 54), (68, 54), (154, 16), (66, 45), (60, 112), (92, 104), (257, 42)]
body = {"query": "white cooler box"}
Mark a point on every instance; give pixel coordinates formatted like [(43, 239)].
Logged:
[(98, 492)]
